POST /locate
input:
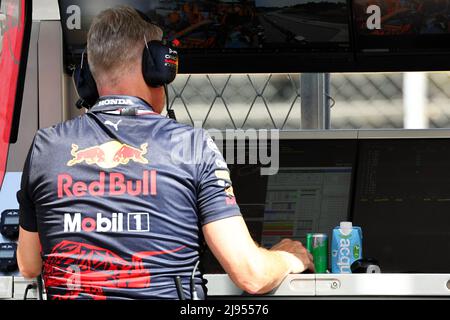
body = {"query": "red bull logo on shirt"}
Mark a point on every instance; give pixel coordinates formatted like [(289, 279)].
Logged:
[(108, 155), (108, 184)]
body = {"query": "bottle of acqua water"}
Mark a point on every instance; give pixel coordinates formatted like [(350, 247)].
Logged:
[(346, 247)]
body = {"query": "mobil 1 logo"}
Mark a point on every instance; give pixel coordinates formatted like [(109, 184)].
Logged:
[(136, 222)]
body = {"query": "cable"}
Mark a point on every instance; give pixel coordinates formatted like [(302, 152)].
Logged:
[(195, 269), (40, 288), (35, 285), (170, 111), (194, 293), (179, 286), (28, 288)]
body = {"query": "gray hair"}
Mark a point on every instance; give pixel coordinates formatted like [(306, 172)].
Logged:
[(115, 41)]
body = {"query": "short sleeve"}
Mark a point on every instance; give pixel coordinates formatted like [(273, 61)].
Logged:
[(216, 199), (27, 217)]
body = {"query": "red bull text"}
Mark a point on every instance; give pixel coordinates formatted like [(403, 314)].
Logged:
[(108, 184)]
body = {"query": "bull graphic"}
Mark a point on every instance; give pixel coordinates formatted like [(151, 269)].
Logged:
[(83, 269), (109, 155), (91, 155), (127, 153)]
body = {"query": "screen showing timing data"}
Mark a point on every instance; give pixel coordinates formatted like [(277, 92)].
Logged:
[(402, 203), (303, 200), (310, 193)]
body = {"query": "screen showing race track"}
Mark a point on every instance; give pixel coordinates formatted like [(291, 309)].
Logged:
[(251, 24), (254, 24)]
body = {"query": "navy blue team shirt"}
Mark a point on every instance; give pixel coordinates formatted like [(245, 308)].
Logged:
[(119, 202)]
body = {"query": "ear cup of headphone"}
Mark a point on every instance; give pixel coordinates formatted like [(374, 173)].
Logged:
[(159, 64), (85, 85)]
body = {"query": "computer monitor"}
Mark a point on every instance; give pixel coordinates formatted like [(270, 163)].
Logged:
[(257, 24), (402, 26), (310, 193), (402, 203), (232, 36)]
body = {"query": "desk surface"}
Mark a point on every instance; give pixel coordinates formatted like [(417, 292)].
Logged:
[(343, 285), (304, 286)]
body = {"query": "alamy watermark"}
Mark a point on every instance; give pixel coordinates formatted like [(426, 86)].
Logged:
[(374, 19), (250, 146)]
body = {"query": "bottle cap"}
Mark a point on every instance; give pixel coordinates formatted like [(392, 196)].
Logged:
[(346, 225)]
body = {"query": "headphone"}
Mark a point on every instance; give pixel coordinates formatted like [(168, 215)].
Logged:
[(159, 68)]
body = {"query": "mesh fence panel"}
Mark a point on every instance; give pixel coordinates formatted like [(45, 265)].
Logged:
[(369, 101), (362, 101), (238, 101)]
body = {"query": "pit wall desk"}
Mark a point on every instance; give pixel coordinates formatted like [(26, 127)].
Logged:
[(301, 286), (343, 285)]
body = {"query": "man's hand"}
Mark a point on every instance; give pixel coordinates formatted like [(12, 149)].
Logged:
[(252, 268), (297, 255)]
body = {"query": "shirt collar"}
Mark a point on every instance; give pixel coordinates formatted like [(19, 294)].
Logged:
[(114, 102)]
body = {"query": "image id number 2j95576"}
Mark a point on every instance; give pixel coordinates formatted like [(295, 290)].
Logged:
[(242, 309)]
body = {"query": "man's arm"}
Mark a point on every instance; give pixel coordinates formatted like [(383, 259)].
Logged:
[(254, 269), (29, 254), (29, 248)]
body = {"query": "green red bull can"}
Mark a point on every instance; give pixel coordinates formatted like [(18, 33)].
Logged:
[(317, 245)]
